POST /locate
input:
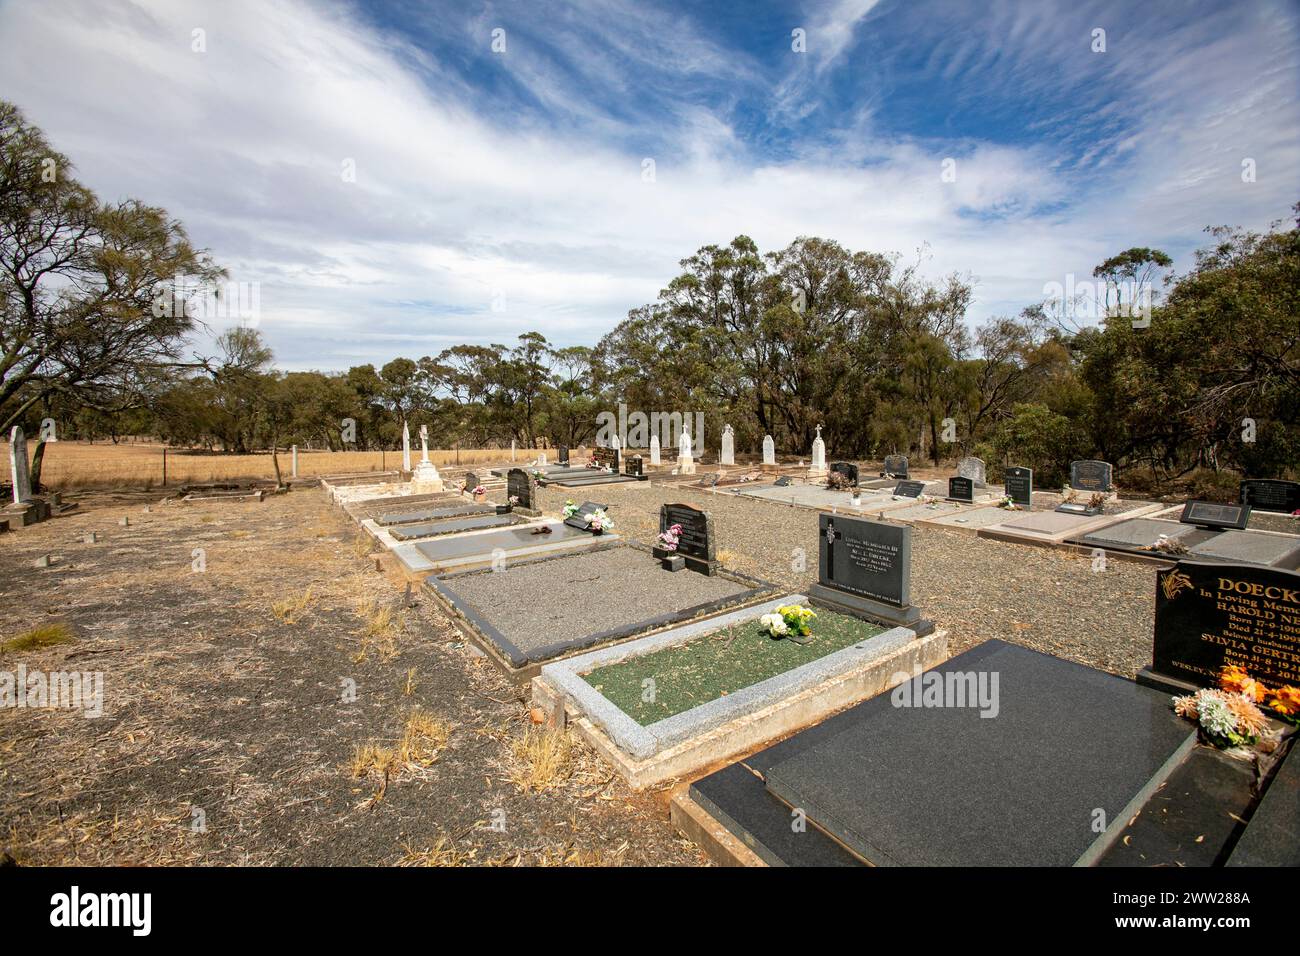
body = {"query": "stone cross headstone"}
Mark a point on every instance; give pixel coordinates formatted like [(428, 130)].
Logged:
[(425, 478), (818, 466), (19, 475), (728, 446), (406, 446), (1091, 476), (769, 450), (1019, 483), (864, 568), (654, 450), (685, 463), (424, 443), (972, 468), (696, 543), (896, 466)]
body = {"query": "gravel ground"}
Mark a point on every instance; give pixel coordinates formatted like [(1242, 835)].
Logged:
[(977, 589), (533, 603)]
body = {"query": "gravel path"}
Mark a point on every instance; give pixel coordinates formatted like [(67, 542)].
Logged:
[(977, 589)]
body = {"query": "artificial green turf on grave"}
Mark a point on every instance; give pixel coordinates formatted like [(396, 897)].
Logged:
[(718, 663)]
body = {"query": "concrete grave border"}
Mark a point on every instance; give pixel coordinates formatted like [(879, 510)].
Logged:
[(727, 726), (414, 563)]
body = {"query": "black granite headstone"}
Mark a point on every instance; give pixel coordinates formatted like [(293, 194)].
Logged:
[(579, 519), (695, 543), (909, 489), (562, 454), (1091, 475), (606, 458), (1271, 494), (864, 567), (961, 489), (1209, 514), (896, 466), (1020, 486), (848, 470), (634, 466), (520, 484), (1209, 615)]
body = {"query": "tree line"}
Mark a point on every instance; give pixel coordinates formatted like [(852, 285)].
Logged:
[(1203, 385)]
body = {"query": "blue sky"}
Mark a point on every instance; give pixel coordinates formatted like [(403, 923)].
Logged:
[(503, 191)]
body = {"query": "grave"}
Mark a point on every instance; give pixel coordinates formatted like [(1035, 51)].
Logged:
[(1212, 614), (655, 460), (1137, 534), (909, 489), (848, 470), (696, 543), (817, 467), (531, 611), (605, 458), (521, 492), (685, 459), (432, 514), (1204, 528), (425, 477), (769, 453), (959, 519), (1209, 514), (816, 497), (634, 467), (1019, 483), (498, 545), (432, 529), (1271, 494), (961, 489), (973, 469), (895, 466), (1021, 789), (864, 568), (728, 455), (1092, 476), (1055, 527), (1252, 547), (562, 456)]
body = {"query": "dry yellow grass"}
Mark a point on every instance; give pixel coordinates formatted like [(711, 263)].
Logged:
[(544, 759), (287, 611), (70, 464), (46, 636)]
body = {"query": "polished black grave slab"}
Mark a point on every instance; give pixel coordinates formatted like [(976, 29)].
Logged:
[(944, 786), (434, 514), (431, 529)]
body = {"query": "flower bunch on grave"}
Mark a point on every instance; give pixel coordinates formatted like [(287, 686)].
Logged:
[(570, 509), (668, 539), (1069, 495), (789, 619), (1007, 503), (538, 474), (1166, 545), (1225, 719), (838, 481), (479, 490), (514, 499), (1097, 500), (1281, 702), (598, 521)]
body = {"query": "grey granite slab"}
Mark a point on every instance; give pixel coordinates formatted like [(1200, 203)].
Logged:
[(430, 529), (536, 610), (1272, 836), (1138, 532), (485, 543), (945, 786), (434, 514), (1252, 547), (1047, 522)]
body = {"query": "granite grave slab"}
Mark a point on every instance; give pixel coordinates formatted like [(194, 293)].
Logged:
[(1271, 494), (432, 529)]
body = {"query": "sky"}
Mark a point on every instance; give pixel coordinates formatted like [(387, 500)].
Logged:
[(394, 178)]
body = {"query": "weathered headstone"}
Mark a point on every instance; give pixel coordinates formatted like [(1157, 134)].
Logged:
[(1091, 476), (769, 451), (1019, 483), (18, 466), (817, 468), (961, 488), (728, 456), (654, 450), (523, 486), (1271, 494), (563, 455), (1209, 615), (426, 477), (864, 568), (848, 470), (1209, 514), (695, 543), (471, 482), (896, 466), (909, 489), (972, 468), (406, 447), (293, 471), (685, 459)]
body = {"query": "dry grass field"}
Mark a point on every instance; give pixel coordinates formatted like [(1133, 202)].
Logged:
[(72, 464)]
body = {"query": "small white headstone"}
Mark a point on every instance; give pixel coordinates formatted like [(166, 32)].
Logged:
[(685, 463), (21, 477), (654, 450), (769, 450), (293, 469), (406, 446), (728, 446), (818, 466)]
